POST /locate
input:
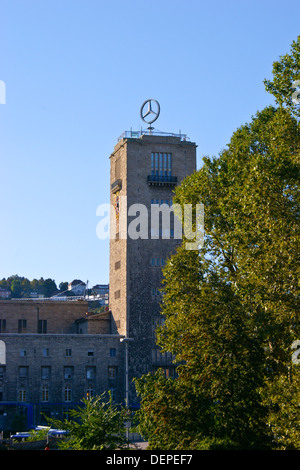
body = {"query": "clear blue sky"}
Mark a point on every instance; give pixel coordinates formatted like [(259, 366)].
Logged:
[(76, 74)]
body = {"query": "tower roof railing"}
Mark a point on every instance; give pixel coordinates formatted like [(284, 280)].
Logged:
[(137, 134)]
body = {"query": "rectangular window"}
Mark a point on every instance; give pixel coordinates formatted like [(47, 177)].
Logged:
[(156, 164), (117, 294), (165, 164), (2, 326), (42, 326), (45, 352), (22, 395), (112, 372), (23, 372), (22, 352), (90, 353), (118, 265), (169, 164), (22, 325), (89, 392), (45, 372), (68, 352), (45, 393), (90, 373), (2, 372), (161, 165), (68, 394), (112, 352), (68, 372)]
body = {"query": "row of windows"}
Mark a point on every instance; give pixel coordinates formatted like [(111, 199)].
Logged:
[(68, 352), (161, 164), (157, 261), (168, 202), (68, 372), (22, 326), (67, 394), (162, 233)]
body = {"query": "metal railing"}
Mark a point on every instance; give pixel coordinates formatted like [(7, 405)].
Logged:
[(137, 134)]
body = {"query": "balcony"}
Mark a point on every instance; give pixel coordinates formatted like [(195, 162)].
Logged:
[(155, 180), (116, 186)]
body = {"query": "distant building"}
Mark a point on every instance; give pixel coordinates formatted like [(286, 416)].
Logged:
[(5, 293), (77, 287), (101, 289)]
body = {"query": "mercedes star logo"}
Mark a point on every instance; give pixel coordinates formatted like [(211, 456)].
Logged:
[(149, 111)]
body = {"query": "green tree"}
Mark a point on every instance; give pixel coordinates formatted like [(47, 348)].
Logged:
[(63, 286), (285, 85), (16, 288), (96, 425), (232, 309), (49, 287)]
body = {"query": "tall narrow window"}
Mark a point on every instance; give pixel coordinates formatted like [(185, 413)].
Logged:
[(169, 164), (152, 163), (22, 395), (45, 372), (68, 393), (2, 326), (112, 372), (165, 164), (22, 325), (90, 373), (45, 393), (68, 372), (160, 164), (42, 326)]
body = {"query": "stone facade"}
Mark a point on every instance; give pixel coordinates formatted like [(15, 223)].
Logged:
[(32, 316), (49, 367), (144, 171)]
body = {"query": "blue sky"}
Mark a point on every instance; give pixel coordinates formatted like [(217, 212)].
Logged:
[(76, 74)]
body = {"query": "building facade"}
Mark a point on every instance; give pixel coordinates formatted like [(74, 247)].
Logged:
[(52, 355), (144, 172)]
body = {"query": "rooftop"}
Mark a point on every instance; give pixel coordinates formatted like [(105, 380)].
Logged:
[(137, 134)]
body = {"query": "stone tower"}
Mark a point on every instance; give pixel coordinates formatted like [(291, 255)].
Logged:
[(144, 170)]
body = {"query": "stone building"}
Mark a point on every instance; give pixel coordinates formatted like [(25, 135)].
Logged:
[(144, 170), (53, 354)]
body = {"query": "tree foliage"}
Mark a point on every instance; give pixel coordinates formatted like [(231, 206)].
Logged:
[(96, 425), (21, 287), (286, 79), (232, 308)]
